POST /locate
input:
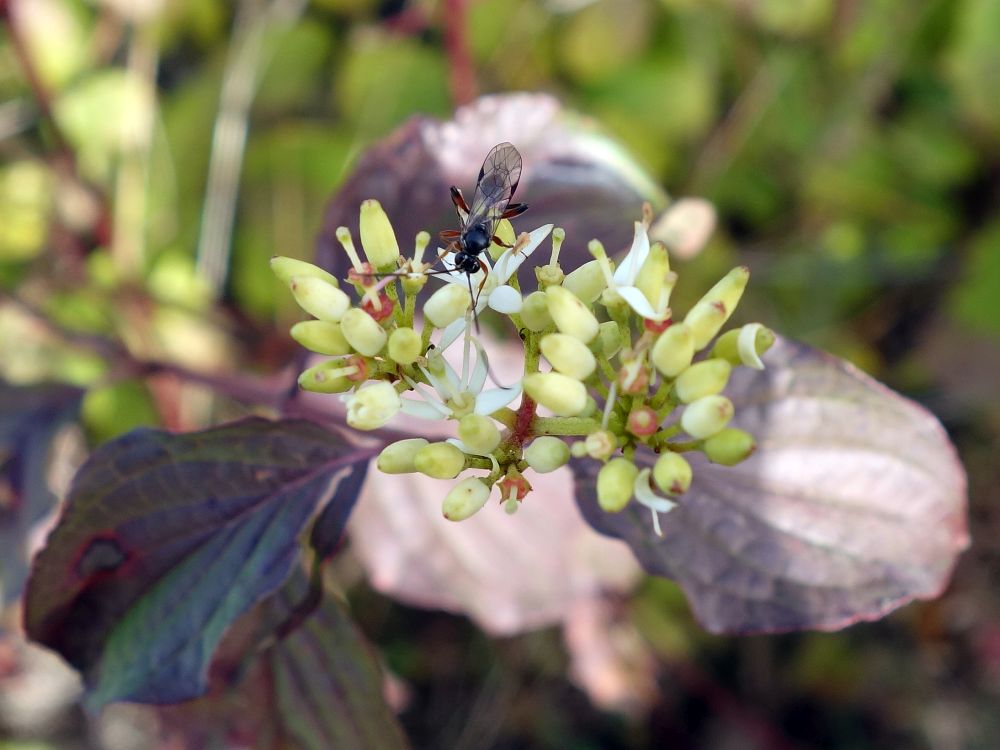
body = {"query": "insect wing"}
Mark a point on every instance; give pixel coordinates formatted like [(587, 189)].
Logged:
[(496, 184)]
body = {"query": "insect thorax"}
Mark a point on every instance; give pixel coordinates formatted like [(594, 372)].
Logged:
[(475, 239)]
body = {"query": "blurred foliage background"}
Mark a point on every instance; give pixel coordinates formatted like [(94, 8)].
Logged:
[(852, 150)]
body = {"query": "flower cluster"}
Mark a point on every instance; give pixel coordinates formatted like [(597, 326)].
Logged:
[(619, 364)]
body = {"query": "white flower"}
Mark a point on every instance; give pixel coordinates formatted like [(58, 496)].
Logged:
[(625, 281), (656, 504)]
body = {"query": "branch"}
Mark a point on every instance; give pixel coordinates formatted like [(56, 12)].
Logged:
[(461, 72)]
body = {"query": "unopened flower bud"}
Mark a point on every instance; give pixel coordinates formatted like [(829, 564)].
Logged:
[(729, 446), (285, 268), (672, 473), (615, 481), (586, 282), (319, 298), (546, 453), (321, 337), (711, 312), (362, 332), (568, 355), (397, 458), (706, 416), (609, 339), (705, 378), (673, 350), (465, 499), (479, 433), (328, 377), (505, 233), (571, 316), (439, 460), (447, 305), (599, 445), (377, 237), (404, 346), (561, 394), (655, 280), (535, 312), (372, 406)]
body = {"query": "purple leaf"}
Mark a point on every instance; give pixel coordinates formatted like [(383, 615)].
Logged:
[(853, 505), (167, 539), (30, 418)]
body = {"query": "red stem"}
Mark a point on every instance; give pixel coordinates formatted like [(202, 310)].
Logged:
[(461, 73)]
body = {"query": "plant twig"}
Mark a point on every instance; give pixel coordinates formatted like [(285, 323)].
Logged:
[(461, 73)]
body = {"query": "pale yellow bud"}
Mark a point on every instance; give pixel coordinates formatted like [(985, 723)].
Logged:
[(600, 445), (479, 433), (706, 416), (655, 280), (711, 312), (320, 298), (615, 482), (377, 237), (704, 378), (568, 355), (535, 312), (672, 474), (546, 453), (439, 460), (609, 339), (362, 332), (285, 268), (561, 394), (397, 458), (586, 282), (673, 350), (372, 406), (404, 346), (570, 315), (328, 377), (447, 305), (465, 499), (729, 446), (321, 337)]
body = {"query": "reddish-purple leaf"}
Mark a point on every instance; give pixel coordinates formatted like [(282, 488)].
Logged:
[(853, 505), (30, 418), (167, 539)]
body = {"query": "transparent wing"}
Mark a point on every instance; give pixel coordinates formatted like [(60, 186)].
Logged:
[(496, 184)]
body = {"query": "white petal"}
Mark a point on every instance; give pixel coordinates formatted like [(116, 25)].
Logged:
[(479, 372), (637, 301), (628, 269), (451, 333), (423, 409), (506, 300), (746, 345), (488, 402), (508, 262), (645, 495)]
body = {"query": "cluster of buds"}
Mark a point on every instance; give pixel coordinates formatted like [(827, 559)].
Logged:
[(619, 364)]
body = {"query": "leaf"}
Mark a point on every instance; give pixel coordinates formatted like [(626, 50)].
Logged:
[(853, 505), (167, 539), (30, 419)]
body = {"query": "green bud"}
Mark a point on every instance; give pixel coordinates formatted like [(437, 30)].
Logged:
[(615, 483), (397, 458), (672, 474), (568, 355), (465, 499), (600, 445), (327, 377), (673, 350), (377, 237), (373, 405), (704, 378), (447, 305), (439, 460), (285, 268), (711, 312), (586, 282), (729, 446), (655, 280), (362, 332), (404, 346), (570, 315), (546, 453), (479, 433), (706, 416), (609, 339), (321, 337), (504, 232), (319, 298), (563, 395), (535, 312), (744, 346)]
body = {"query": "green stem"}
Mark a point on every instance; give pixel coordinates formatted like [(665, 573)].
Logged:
[(565, 426)]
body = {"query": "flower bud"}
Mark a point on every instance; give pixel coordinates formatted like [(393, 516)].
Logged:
[(586, 282), (447, 305), (362, 332), (465, 499), (673, 350), (729, 446), (319, 298), (655, 280), (599, 445), (571, 316), (377, 237), (615, 481), (404, 346), (439, 460), (609, 339), (535, 312), (397, 458), (743, 346), (321, 337), (479, 433), (704, 378), (568, 355), (563, 395), (713, 310), (706, 416), (328, 377), (546, 453), (285, 268), (372, 406), (672, 473), (505, 233)]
